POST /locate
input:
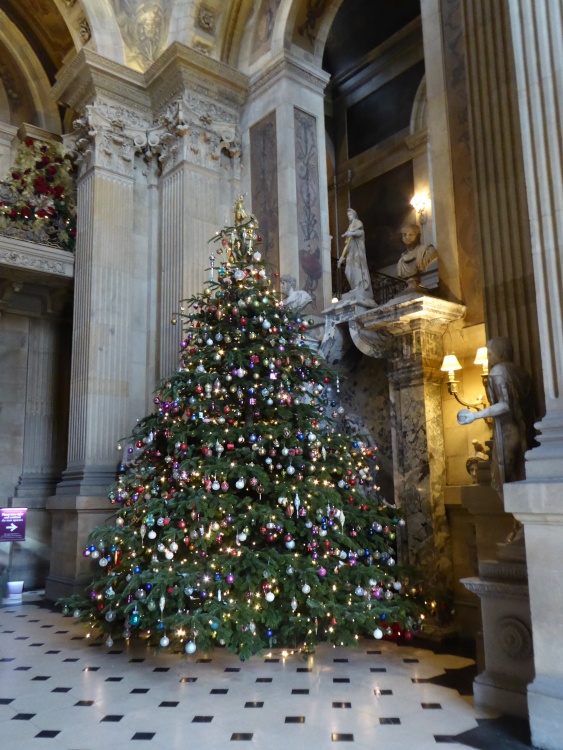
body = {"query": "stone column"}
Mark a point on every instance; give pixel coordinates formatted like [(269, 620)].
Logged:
[(284, 135), (46, 409), (416, 325), (499, 184), (44, 444), (104, 392), (198, 103), (537, 36)]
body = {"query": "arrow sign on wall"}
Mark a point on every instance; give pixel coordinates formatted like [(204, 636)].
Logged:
[(12, 524)]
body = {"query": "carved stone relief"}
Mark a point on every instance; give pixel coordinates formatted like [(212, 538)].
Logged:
[(264, 180), (144, 26), (108, 135), (308, 206)]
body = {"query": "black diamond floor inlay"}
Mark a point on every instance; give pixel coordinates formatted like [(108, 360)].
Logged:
[(337, 737), (341, 679), (202, 719), (22, 717), (188, 679), (294, 719), (380, 691), (341, 705), (112, 717), (219, 691), (242, 736), (263, 679), (254, 704), (389, 720), (232, 669), (61, 690), (140, 691), (143, 736), (169, 704), (300, 691), (48, 733), (84, 703)]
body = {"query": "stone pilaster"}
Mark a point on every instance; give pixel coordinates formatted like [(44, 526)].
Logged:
[(35, 442), (500, 189), (46, 409), (290, 93), (107, 392), (537, 37), (197, 102)]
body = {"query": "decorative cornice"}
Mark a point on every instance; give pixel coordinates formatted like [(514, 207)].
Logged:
[(180, 68), (290, 67), (412, 311), (89, 74), (491, 588), (31, 257)]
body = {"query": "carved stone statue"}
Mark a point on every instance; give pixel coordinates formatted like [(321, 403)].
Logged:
[(416, 258), (354, 254), (296, 299), (510, 394), (509, 390)]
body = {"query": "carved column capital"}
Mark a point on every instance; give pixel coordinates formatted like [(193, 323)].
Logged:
[(194, 129)]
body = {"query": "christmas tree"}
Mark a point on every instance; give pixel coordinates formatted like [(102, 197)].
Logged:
[(244, 516)]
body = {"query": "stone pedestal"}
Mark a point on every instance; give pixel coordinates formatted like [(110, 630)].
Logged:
[(492, 524), (502, 587), (409, 331)]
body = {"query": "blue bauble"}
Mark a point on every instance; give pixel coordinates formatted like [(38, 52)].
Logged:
[(269, 633)]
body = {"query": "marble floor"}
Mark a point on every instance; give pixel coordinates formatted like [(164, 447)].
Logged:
[(59, 689)]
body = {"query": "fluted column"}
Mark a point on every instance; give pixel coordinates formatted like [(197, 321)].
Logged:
[(537, 37), (107, 389), (197, 104), (502, 209), (46, 409)]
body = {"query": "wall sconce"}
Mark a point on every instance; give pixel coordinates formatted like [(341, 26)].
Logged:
[(420, 203), (451, 364)]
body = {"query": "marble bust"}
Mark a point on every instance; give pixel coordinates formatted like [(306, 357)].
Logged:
[(296, 299), (354, 255), (416, 258)]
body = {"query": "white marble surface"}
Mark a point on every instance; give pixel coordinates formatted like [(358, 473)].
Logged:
[(47, 667)]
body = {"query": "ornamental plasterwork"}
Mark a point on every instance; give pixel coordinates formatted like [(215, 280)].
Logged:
[(206, 19), (207, 129), (36, 262), (84, 29), (109, 135)]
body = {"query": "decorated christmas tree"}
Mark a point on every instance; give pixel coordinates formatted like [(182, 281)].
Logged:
[(245, 516)]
